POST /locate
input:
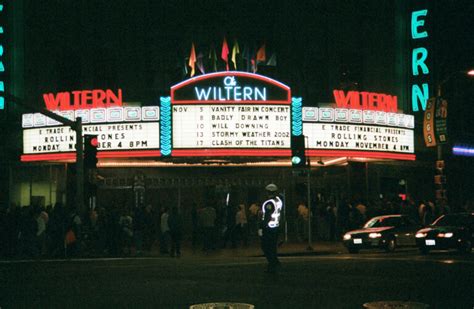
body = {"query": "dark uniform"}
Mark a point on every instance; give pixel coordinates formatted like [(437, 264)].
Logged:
[(271, 213)]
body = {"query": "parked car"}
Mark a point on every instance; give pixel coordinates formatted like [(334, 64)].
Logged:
[(384, 232), (451, 231)]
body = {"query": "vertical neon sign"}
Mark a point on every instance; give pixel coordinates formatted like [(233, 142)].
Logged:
[(2, 67), (419, 93)]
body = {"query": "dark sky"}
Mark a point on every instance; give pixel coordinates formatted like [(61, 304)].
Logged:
[(141, 45)]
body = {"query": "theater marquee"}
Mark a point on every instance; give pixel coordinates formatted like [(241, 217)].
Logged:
[(225, 114), (364, 133), (121, 132), (230, 114)]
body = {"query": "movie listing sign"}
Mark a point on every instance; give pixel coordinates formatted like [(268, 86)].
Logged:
[(346, 129), (113, 136), (231, 126), (358, 137)]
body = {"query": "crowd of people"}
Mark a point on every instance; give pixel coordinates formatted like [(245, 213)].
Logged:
[(59, 231), (331, 220)]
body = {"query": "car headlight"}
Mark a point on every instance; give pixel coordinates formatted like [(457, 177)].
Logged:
[(375, 235), (347, 236), (445, 235), (420, 235)]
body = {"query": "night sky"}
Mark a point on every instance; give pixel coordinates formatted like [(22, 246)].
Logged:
[(141, 46)]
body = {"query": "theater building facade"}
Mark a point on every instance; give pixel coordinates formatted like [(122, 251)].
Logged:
[(220, 138)]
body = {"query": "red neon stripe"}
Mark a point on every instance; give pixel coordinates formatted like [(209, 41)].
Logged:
[(227, 73), (131, 153), (230, 152), (231, 102), (71, 156), (366, 154), (68, 156)]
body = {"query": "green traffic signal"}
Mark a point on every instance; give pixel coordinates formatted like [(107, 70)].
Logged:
[(295, 160), (298, 155)]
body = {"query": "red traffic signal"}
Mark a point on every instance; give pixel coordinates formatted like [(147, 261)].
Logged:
[(90, 151)]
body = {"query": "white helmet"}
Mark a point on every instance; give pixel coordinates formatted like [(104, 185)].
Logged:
[(271, 187)]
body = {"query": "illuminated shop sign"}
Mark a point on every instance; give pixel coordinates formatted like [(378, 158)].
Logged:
[(230, 87), (365, 100), (419, 67), (82, 99), (358, 133), (121, 132), (2, 67), (230, 114)]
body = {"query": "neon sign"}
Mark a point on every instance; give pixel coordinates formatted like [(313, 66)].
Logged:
[(83, 99), (230, 114), (366, 101), (228, 87), (2, 67), (419, 93), (231, 92)]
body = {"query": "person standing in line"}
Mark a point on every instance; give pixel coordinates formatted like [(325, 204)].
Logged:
[(165, 230), (271, 214), (302, 222), (175, 226), (208, 220), (195, 225), (241, 225), (253, 220)]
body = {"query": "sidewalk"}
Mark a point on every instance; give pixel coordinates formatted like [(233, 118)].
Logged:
[(254, 250)]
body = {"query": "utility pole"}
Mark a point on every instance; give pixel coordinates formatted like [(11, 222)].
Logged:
[(76, 126), (308, 187)]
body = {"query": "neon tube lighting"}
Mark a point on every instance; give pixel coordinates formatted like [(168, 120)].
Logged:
[(463, 151)]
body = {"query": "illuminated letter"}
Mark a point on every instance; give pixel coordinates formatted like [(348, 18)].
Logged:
[(219, 92), (415, 23), (2, 99), (237, 93), (202, 94), (228, 89), (247, 93), (342, 101), (76, 99), (261, 94), (374, 98), (2, 68), (390, 103), (86, 96), (113, 99), (418, 95), (98, 97), (364, 95), (419, 61), (51, 102)]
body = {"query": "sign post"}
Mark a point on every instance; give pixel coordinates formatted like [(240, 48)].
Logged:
[(76, 126)]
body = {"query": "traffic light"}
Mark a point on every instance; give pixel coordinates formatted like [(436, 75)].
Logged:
[(298, 157), (90, 151)]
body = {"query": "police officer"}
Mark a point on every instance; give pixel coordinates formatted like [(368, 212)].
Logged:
[(271, 214)]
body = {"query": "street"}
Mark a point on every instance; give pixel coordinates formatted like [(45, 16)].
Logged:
[(317, 279)]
